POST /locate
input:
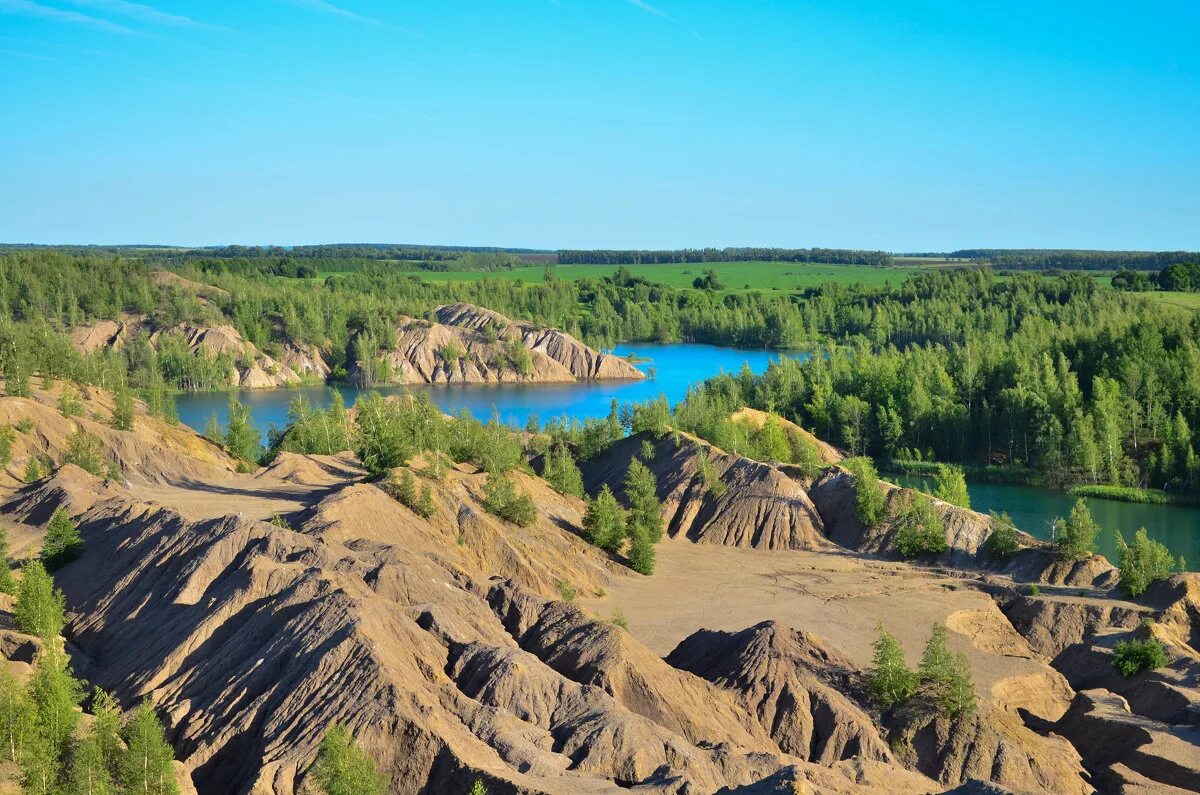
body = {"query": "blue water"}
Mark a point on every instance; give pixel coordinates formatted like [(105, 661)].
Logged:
[(1034, 509), (674, 367)]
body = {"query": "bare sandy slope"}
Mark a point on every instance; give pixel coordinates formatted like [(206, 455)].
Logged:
[(840, 597)]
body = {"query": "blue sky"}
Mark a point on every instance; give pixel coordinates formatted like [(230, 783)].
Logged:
[(902, 125)]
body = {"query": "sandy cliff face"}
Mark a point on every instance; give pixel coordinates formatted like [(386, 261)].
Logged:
[(480, 338), (250, 368), (759, 505)]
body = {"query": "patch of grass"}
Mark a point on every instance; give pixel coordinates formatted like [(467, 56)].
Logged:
[(566, 590), (1123, 493), (618, 619), (1186, 301)]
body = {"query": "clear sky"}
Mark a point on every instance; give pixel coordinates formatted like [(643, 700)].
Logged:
[(907, 125)]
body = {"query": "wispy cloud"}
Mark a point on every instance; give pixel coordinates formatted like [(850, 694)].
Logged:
[(345, 13), (145, 13), (31, 9), (649, 9), (28, 55)]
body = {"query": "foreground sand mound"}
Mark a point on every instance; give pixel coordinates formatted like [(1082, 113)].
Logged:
[(313, 470), (253, 638), (70, 488), (759, 507), (793, 684)]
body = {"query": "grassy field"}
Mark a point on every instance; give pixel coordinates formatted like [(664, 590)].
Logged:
[(1188, 301), (736, 276)]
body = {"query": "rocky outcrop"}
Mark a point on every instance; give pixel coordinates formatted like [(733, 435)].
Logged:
[(466, 344), (1131, 753), (833, 495), (1052, 623), (755, 505), (793, 684), (990, 745), (1038, 562), (250, 368), (306, 361)]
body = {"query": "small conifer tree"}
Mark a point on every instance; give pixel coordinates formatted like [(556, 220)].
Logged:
[(890, 679), (343, 769), (63, 543)]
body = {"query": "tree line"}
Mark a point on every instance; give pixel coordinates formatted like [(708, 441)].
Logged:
[(836, 256), (1074, 259)]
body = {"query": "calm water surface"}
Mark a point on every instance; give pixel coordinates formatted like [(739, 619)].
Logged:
[(1034, 509), (675, 367), (678, 366)]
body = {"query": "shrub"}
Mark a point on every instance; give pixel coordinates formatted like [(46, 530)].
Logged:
[(24, 425), (8, 583), (870, 501), (1143, 562), (6, 440), (69, 403), (566, 591), (618, 619), (419, 501), (1131, 657), (1076, 536), (122, 416), (502, 499), (641, 551), (561, 472), (1033, 589), (40, 608), (950, 485), (645, 511), (34, 471), (86, 452), (241, 437), (63, 543), (708, 475), (646, 452), (1004, 539), (919, 529)]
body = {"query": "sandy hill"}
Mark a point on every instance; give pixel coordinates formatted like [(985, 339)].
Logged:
[(479, 339), (251, 368), (756, 419)]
